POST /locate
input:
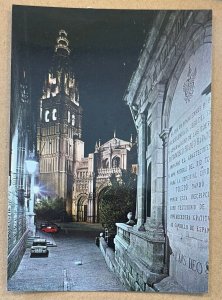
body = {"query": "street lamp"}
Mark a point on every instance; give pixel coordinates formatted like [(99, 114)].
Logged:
[(31, 167), (36, 189)]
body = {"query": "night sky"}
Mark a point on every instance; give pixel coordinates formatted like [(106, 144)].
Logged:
[(105, 47)]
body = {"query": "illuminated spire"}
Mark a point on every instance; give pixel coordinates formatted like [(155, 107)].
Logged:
[(60, 77), (62, 46)]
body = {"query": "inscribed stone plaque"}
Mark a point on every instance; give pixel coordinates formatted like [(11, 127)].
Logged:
[(189, 172)]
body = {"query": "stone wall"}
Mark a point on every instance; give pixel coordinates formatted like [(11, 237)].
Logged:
[(129, 271), (138, 258), (108, 254), (16, 254), (169, 96)]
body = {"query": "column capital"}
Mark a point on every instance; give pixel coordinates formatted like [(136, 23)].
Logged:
[(164, 135)]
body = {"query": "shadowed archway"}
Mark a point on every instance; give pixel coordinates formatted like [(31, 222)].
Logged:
[(82, 206)]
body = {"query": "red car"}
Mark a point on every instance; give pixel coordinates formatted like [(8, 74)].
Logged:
[(50, 229)]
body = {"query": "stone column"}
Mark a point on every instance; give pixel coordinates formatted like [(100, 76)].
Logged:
[(154, 224), (164, 135), (141, 123), (90, 214), (91, 203)]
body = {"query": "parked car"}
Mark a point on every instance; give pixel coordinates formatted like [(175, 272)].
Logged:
[(49, 224), (39, 248), (50, 229)]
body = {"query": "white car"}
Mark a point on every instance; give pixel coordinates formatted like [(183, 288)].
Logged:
[(39, 247)]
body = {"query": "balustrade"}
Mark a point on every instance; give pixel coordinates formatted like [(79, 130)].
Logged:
[(108, 171), (124, 232)]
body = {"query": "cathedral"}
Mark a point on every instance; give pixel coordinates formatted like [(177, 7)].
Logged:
[(93, 173), (63, 170)]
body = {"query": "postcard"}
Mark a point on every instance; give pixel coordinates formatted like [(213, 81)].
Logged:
[(109, 150)]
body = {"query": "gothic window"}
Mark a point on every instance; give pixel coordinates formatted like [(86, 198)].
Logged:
[(68, 116), (105, 163), (54, 114), (116, 162), (47, 116), (67, 147), (73, 120)]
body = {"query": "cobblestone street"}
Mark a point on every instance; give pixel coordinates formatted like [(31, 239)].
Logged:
[(75, 264)]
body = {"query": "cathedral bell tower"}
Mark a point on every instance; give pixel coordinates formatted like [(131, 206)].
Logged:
[(59, 126)]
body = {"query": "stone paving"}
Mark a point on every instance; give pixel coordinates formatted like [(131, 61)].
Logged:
[(76, 264)]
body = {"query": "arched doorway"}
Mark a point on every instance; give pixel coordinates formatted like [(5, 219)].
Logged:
[(82, 206), (99, 201)]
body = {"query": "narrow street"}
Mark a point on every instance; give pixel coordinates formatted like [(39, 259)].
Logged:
[(75, 264)]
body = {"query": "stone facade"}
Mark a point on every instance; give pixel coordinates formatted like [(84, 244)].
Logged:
[(93, 173), (19, 195), (169, 96)]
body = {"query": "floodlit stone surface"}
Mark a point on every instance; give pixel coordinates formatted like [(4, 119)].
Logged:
[(189, 169), (170, 99)]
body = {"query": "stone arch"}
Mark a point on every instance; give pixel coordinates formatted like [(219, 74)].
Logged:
[(105, 163), (100, 192), (116, 161), (191, 48), (101, 186), (82, 207)]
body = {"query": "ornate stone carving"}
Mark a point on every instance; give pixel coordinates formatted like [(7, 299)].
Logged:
[(189, 84), (164, 135)]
